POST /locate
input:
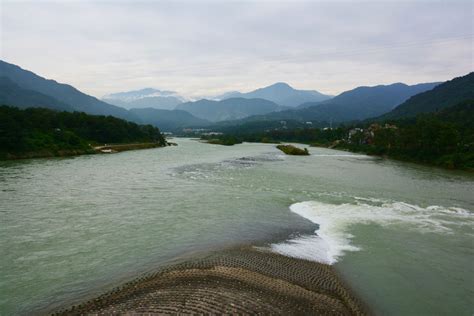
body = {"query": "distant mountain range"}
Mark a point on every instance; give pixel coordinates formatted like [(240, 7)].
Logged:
[(145, 98), (22, 88), (228, 109), (168, 120), (357, 104), (443, 96), (280, 93), (62, 93), (363, 102)]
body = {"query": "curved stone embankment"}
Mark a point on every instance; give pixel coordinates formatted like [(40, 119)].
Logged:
[(237, 281)]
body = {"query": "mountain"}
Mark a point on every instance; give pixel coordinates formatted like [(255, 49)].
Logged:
[(13, 95), (280, 93), (443, 96), (357, 104), (227, 95), (63, 93), (145, 98), (168, 120), (365, 102), (228, 109)]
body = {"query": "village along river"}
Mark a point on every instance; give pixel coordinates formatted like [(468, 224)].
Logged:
[(400, 234)]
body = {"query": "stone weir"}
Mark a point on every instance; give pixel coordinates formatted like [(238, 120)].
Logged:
[(236, 281)]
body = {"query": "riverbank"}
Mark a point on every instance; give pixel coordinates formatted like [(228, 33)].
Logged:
[(241, 280), (125, 147), (106, 149), (449, 162), (445, 163)]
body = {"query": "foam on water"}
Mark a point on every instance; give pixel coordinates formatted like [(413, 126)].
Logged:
[(332, 239)]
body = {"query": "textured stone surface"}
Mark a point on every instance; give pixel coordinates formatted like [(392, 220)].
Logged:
[(237, 281)]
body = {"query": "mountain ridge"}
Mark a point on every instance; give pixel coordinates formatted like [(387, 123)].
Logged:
[(64, 93), (228, 109), (357, 104), (14, 95), (280, 93), (146, 97), (168, 120), (442, 96)]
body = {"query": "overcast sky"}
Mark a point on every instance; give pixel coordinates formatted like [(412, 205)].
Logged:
[(201, 48)]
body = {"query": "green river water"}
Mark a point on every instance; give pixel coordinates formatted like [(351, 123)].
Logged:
[(400, 234)]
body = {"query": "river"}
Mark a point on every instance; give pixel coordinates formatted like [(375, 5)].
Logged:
[(400, 234)]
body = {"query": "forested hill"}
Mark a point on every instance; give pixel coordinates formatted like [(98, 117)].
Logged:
[(443, 96), (39, 132)]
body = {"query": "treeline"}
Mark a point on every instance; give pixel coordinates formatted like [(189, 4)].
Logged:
[(444, 138), (312, 136), (49, 132)]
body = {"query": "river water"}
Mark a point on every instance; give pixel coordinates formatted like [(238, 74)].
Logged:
[(400, 234)]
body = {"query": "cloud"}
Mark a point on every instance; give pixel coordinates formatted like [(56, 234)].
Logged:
[(207, 47)]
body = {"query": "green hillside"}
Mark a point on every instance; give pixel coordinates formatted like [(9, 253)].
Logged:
[(39, 132), (443, 96)]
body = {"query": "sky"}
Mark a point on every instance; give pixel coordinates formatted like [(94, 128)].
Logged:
[(204, 48)]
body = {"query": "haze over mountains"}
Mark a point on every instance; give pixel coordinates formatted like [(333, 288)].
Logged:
[(167, 109), (145, 98), (168, 120), (228, 109)]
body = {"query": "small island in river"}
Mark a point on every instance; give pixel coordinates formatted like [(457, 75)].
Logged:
[(293, 150)]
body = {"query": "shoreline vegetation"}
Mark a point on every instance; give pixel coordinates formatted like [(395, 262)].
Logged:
[(41, 133), (242, 280), (444, 138)]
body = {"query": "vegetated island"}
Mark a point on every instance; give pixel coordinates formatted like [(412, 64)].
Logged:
[(219, 139), (40, 132), (241, 280), (293, 150)]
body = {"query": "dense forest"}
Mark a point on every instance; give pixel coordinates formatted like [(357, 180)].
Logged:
[(444, 138), (36, 132)]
